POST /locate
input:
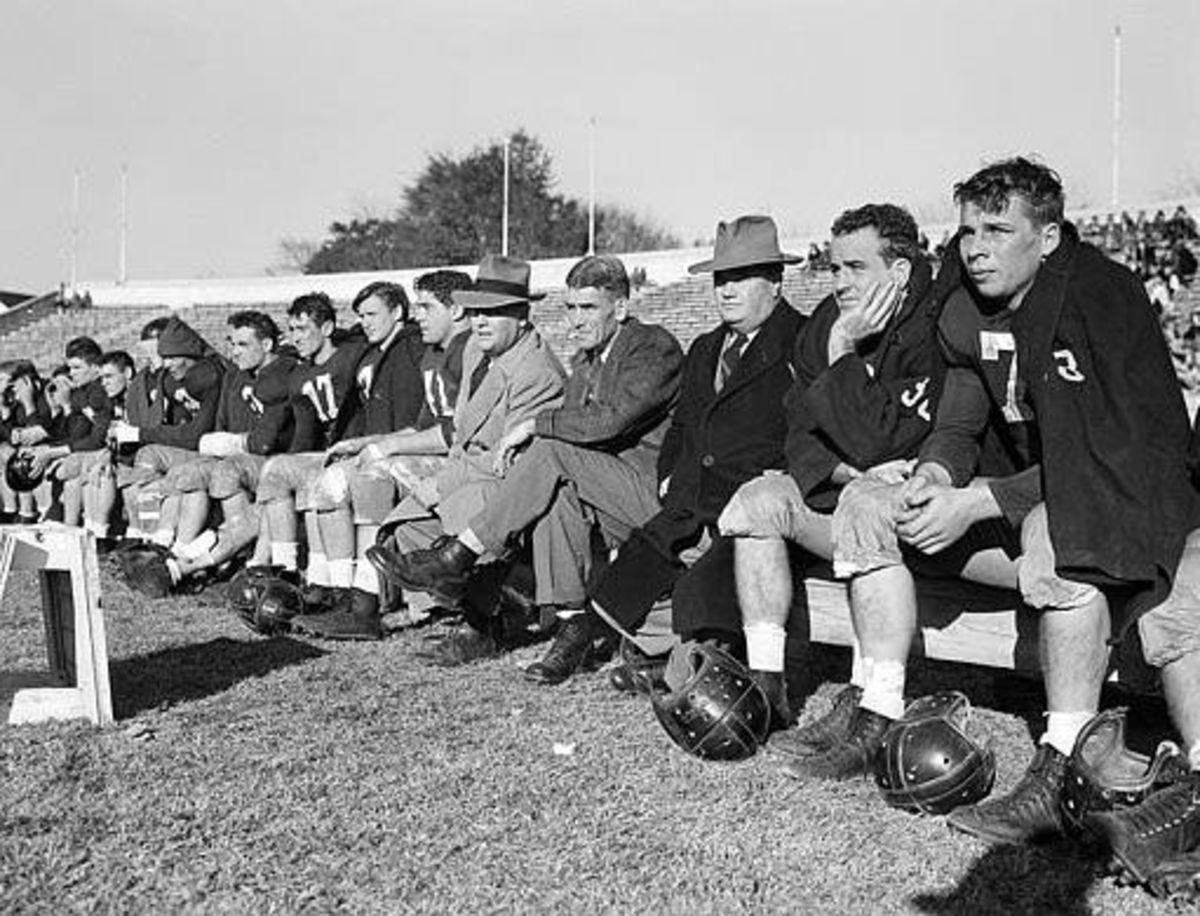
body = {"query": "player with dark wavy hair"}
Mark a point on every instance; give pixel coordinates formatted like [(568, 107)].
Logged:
[(1056, 465)]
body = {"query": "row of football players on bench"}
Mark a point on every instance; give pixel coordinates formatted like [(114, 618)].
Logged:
[(1012, 421)]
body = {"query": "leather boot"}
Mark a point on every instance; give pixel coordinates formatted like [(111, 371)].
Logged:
[(823, 732), (1028, 813), (571, 650), (1162, 827), (853, 756), (441, 568), (354, 615), (774, 686), (638, 673)]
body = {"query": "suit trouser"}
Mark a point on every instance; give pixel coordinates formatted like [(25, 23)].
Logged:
[(562, 490)]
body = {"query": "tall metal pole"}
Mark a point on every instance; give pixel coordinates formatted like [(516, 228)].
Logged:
[(1116, 123), (124, 217), (75, 232), (592, 185), (504, 220)]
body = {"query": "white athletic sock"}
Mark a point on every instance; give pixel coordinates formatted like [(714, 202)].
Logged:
[(366, 579), (162, 538), (341, 573), (858, 667), (1062, 728), (134, 533), (1194, 756), (100, 529), (764, 645), (318, 570), (884, 690), (471, 541), (284, 553)]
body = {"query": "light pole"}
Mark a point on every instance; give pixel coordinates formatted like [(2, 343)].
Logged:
[(1116, 119), (592, 185), (124, 224), (504, 219)]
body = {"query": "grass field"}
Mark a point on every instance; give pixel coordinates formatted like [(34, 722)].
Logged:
[(257, 776)]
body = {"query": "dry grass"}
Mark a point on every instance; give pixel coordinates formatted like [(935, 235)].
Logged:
[(247, 775)]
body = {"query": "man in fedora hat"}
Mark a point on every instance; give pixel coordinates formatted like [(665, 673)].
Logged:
[(868, 374), (727, 428), (590, 460), (509, 374)]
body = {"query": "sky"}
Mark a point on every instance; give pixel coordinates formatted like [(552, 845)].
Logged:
[(243, 123)]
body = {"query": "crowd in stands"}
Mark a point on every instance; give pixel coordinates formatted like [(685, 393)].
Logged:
[(1009, 419)]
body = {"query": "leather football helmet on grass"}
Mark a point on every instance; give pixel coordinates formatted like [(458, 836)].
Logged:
[(928, 763), (719, 713), (263, 601)]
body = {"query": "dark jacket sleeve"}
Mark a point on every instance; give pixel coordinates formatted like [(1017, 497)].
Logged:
[(407, 394), (273, 431), (144, 399), (68, 429), (206, 389), (962, 414), (647, 383), (687, 412), (871, 419), (96, 410)]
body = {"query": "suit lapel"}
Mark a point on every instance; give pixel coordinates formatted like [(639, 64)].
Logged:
[(475, 409), (611, 367), (760, 355)]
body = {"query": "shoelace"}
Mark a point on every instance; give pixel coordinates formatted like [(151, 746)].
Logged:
[(1167, 809)]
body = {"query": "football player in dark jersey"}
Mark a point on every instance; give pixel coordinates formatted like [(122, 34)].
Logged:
[(191, 394), (322, 394), (356, 493), (25, 407), (75, 470), (143, 405), (90, 412), (1056, 466), (254, 420)]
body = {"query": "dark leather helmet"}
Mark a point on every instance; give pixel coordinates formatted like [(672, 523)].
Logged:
[(19, 472), (928, 763), (719, 713), (263, 602), (1103, 774)]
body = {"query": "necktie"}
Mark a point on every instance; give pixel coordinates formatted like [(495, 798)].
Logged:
[(730, 357), (592, 368), (477, 375)]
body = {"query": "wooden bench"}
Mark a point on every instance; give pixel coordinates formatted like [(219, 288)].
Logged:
[(962, 622), (76, 682)]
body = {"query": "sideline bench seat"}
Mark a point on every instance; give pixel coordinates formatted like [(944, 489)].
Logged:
[(962, 622)]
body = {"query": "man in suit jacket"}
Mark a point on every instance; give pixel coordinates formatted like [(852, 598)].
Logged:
[(592, 458), (509, 375), (728, 428)]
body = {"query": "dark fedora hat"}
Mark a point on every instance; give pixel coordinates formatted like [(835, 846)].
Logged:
[(746, 241), (500, 281)]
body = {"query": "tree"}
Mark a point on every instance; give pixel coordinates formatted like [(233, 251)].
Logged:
[(452, 215)]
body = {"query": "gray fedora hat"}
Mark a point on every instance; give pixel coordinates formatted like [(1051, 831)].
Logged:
[(748, 240), (500, 281)]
